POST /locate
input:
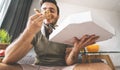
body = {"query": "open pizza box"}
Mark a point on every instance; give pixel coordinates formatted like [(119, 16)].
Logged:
[(80, 24)]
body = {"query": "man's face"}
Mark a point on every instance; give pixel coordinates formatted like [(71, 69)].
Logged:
[(53, 10)]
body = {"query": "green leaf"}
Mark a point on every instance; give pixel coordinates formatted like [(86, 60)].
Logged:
[(4, 36)]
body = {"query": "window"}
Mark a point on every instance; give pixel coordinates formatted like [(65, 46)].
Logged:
[(1, 4), (3, 9)]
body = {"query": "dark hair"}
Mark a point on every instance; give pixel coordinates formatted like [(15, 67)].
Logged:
[(51, 1)]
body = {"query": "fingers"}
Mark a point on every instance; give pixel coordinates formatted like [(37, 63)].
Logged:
[(35, 16), (36, 11), (38, 20), (76, 39), (85, 40), (92, 39)]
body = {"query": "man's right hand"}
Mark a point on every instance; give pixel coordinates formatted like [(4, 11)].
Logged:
[(35, 22), (23, 42)]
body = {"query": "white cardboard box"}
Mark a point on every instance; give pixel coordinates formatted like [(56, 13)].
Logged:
[(80, 24)]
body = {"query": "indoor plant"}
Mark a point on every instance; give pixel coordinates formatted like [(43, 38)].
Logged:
[(4, 41), (4, 36)]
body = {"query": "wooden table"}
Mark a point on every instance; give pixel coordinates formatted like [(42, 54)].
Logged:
[(105, 57), (88, 56)]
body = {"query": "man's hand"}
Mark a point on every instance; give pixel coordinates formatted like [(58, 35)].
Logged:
[(23, 42), (35, 23), (72, 54), (85, 41)]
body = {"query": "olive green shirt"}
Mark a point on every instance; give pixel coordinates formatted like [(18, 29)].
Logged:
[(48, 53)]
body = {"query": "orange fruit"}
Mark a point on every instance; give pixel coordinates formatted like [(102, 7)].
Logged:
[(93, 48)]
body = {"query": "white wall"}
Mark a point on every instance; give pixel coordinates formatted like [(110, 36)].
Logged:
[(112, 17)]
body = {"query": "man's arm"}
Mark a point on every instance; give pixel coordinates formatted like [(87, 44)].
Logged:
[(72, 56), (18, 48), (22, 45)]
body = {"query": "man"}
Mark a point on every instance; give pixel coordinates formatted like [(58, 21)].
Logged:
[(50, 55)]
